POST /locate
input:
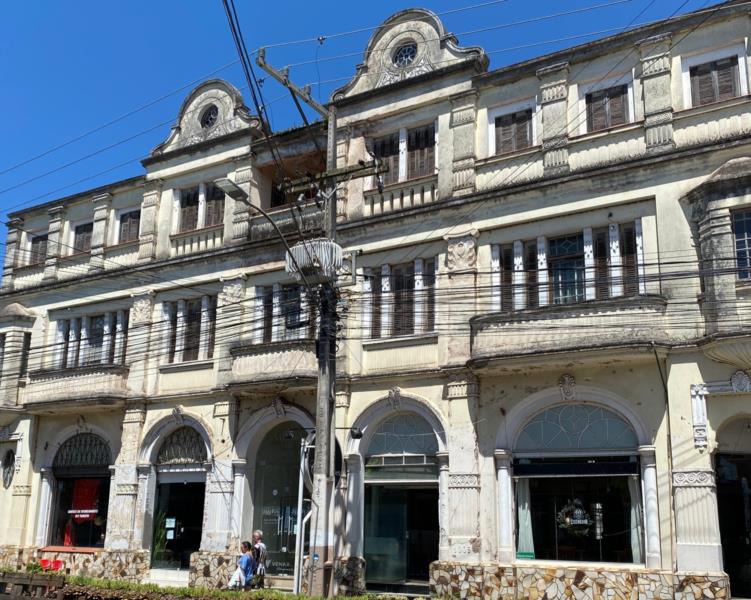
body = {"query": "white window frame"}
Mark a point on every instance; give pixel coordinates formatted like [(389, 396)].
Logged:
[(71, 237), (737, 49), (115, 224), (583, 89), (507, 109)]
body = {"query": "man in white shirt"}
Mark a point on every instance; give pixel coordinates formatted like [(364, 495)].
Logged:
[(260, 556)]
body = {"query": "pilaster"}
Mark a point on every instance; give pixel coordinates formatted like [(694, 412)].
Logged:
[(13, 255), (101, 204), (139, 339), (230, 309), (241, 212), (54, 242), (149, 221), (463, 134), (505, 518), (461, 282), (554, 107), (656, 94)]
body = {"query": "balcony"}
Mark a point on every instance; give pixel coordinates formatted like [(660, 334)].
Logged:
[(74, 265), (607, 147), (571, 327), (196, 240), (121, 255), (509, 169), (404, 194), (274, 362), (95, 384), (28, 275), (290, 221)]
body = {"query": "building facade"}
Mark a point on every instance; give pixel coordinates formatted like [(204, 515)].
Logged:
[(542, 380)]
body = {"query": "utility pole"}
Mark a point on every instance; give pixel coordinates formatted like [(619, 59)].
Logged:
[(318, 261)]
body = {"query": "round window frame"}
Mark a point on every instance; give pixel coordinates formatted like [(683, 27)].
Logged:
[(211, 112), (399, 48), (9, 468)]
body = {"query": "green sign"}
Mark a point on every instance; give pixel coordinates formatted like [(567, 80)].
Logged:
[(525, 555)]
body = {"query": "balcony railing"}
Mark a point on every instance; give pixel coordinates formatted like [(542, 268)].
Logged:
[(28, 275), (713, 122), (74, 265), (405, 194), (573, 326), (290, 220), (92, 382), (121, 255), (196, 240), (274, 361), (606, 147)]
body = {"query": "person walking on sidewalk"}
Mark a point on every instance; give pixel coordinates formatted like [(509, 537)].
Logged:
[(259, 550), (243, 575)]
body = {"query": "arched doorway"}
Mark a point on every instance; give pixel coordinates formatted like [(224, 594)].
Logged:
[(578, 487), (733, 470), (275, 495), (180, 494), (400, 527), (81, 494)]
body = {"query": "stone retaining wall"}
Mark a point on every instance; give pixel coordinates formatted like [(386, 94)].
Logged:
[(129, 565), (349, 574), (212, 569), (532, 582)]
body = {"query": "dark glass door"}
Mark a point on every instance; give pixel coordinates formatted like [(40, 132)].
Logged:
[(734, 503), (178, 523)]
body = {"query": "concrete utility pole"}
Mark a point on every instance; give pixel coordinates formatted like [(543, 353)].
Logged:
[(318, 261)]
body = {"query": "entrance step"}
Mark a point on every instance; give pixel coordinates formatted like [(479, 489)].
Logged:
[(168, 577), (282, 583)]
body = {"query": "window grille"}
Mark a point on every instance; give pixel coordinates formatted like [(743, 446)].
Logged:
[(183, 446), (82, 451)]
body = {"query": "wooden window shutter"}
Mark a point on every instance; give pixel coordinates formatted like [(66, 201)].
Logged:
[(629, 261), (601, 256), (428, 284), (214, 205), (530, 266), (702, 86), (617, 105), (375, 303), (403, 287), (386, 150), (268, 313), (38, 249), (82, 238), (421, 151), (523, 130), (727, 78), (596, 117), (189, 209), (504, 134), (507, 277)]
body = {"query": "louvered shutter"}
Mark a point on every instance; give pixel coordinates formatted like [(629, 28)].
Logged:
[(387, 151), (523, 130), (507, 277), (135, 224), (214, 205), (601, 254), (376, 297), (504, 134), (189, 209), (421, 151), (403, 286), (617, 106), (38, 249), (628, 260), (82, 238), (702, 86), (268, 313), (597, 117), (530, 266), (428, 284), (727, 78)]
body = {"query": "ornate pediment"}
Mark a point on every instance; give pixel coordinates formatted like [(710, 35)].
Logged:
[(410, 43), (212, 110)]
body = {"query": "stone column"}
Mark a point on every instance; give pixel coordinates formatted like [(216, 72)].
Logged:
[(143, 528), (554, 107), (241, 214), (444, 548), (698, 545), (237, 530), (13, 254), (464, 476), (718, 252), (121, 522), (99, 231), (142, 365), (651, 507), (218, 505), (655, 81), (461, 264), (463, 130), (46, 496), (505, 501), (149, 221), (355, 506), (230, 312), (54, 242)]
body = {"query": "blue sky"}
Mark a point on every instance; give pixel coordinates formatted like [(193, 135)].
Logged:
[(71, 67)]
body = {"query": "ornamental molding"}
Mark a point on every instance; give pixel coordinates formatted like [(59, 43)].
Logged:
[(464, 480), (567, 386), (233, 291), (277, 406), (395, 398), (461, 387), (143, 305), (699, 415), (740, 382), (126, 489), (135, 415), (22, 490), (461, 550), (221, 487), (690, 479), (462, 251), (343, 397), (222, 410)]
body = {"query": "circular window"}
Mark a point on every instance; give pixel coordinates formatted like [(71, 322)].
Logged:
[(209, 117), (9, 467), (405, 55)]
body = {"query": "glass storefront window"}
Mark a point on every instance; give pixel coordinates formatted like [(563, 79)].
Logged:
[(81, 512)]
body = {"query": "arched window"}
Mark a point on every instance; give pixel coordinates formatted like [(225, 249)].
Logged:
[(404, 445), (578, 491), (81, 468), (183, 446)]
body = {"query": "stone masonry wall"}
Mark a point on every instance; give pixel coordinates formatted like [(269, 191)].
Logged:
[(494, 582), (103, 564), (211, 569)]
